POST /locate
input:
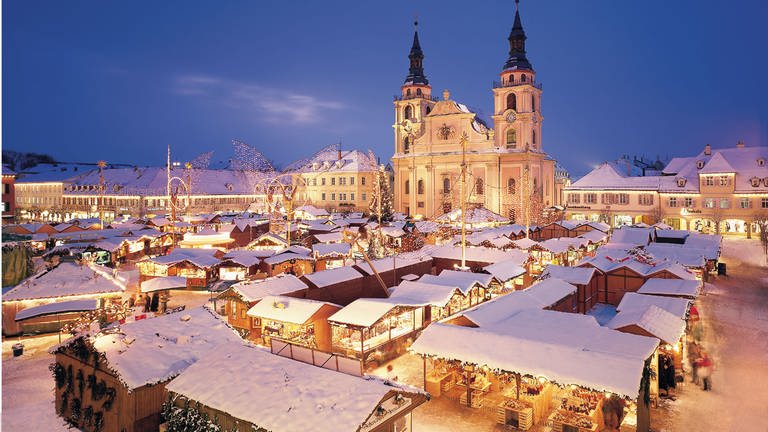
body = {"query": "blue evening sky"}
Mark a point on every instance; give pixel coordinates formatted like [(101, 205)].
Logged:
[(119, 80)]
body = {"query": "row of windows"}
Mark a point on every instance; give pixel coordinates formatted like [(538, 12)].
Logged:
[(723, 203), (479, 186), (609, 198), (152, 202), (342, 196), (342, 181), (723, 180)]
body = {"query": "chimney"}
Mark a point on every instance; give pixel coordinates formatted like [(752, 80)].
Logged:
[(740, 144), (707, 150), (339, 154)]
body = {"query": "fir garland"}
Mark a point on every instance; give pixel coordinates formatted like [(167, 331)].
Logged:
[(111, 393), (59, 374)]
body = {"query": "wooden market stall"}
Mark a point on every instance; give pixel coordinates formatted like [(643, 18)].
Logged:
[(298, 321)]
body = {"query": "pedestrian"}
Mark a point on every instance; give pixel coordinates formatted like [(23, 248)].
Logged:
[(147, 303), (155, 302), (705, 370), (391, 373), (694, 353)]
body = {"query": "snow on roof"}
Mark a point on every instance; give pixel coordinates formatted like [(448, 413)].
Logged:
[(312, 211), (709, 244), (525, 243), (392, 231), (246, 258), (607, 177), (363, 312), (473, 216), (281, 284), (560, 245), (328, 160), (279, 394), (717, 165), (600, 226), (632, 301), (156, 349), (504, 270), (391, 263), (331, 249), (271, 237), (56, 308), (652, 319), (427, 226), (671, 287), (463, 280), (282, 257), (574, 275), (632, 236), (421, 294), (595, 236), (550, 291), (335, 237), (330, 277), (563, 360), (198, 257), (481, 254), (287, 309), (163, 283), (67, 279), (681, 254)]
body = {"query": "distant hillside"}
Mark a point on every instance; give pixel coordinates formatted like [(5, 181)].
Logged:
[(18, 161)]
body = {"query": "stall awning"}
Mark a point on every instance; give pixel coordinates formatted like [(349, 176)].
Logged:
[(57, 308), (163, 283)]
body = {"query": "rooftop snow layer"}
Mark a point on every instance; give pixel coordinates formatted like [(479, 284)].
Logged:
[(671, 287), (254, 290), (67, 279), (286, 309), (653, 319)]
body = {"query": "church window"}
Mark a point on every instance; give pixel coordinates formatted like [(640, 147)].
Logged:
[(429, 110), (511, 138), (479, 186), (418, 91), (406, 144), (533, 102), (533, 136), (420, 187), (522, 78), (511, 186), (511, 79), (446, 185), (407, 112), (407, 187), (512, 101), (408, 92)]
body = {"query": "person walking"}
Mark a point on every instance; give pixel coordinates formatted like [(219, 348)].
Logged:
[(147, 303), (694, 353), (705, 370)]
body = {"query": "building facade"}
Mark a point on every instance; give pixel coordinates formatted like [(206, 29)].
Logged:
[(504, 155), (716, 191), (337, 180), (9, 194)]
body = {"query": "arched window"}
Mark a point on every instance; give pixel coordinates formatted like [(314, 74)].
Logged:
[(512, 101), (511, 78), (522, 77), (479, 186), (418, 91), (446, 185), (406, 144), (429, 110), (407, 187), (511, 138), (408, 92), (533, 136), (420, 187), (407, 112), (533, 102), (511, 189)]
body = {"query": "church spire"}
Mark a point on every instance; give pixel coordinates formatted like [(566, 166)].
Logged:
[(517, 59), (416, 57)]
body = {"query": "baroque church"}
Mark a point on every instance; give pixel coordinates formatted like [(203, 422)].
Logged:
[(506, 165)]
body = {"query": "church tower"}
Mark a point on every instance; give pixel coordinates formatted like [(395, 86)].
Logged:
[(415, 100), (517, 98)]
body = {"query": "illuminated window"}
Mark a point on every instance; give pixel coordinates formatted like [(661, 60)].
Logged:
[(511, 138)]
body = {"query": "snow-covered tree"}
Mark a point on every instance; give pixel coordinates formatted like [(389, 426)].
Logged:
[(382, 192)]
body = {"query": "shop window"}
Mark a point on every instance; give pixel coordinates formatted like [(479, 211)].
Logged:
[(709, 203), (725, 203)]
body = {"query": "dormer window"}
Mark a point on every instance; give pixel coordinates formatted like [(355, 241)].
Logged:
[(761, 162), (326, 164), (765, 181), (681, 181), (339, 163), (315, 165), (228, 186), (700, 164), (755, 181)]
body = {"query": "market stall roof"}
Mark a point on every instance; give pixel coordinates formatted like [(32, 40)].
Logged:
[(550, 291), (574, 275), (363, 312), (67, 279), (390, 263), (163, 283), (633, 236), (203, 258), (280, 394), (422, 294), (286, 256), (505, 270), (331, 249), (679, 253), (676, 306), (464, 280), (254, 290), (247, 258), (481, 254), (57, 308), (671, 287), (410, 277), (595, 236), (525, 243), (561, 360), (334, 276), (156, 349), (287, 309), (335, 237), (654, 320)]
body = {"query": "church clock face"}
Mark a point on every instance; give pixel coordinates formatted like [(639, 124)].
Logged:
[(511, 117)]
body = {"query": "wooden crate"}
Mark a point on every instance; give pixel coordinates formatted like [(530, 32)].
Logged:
[(477, 399), (525, 417)]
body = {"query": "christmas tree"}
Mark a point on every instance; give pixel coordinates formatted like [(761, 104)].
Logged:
[(383, 193)]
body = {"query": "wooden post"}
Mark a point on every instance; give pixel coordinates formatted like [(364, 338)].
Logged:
[(517, 382), (424, 359), (469, 387)]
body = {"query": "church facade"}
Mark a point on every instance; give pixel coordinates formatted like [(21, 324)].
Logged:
[(506, 165)]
